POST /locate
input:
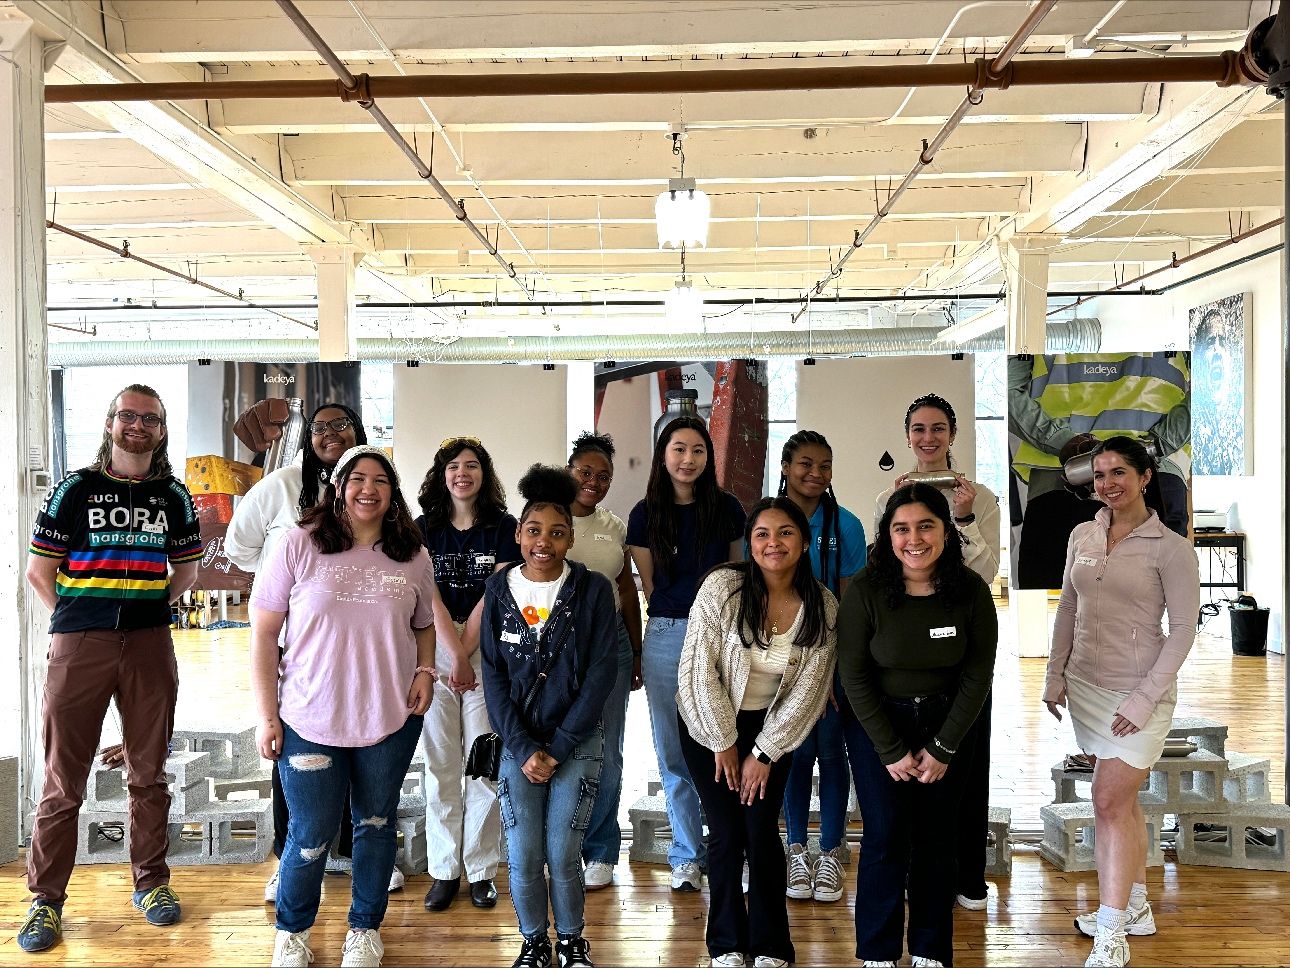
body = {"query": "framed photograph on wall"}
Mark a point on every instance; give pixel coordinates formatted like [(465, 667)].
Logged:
[(1221, 391)]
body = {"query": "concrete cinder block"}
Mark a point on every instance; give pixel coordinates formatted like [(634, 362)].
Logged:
[(1069, 836), (1183, 784), (412, 805), (1207, 734), (240, 831), (186, 777), (1246, 780), (232, 754), (648, 816), (9, 834), (411, 855), (103, 837), (260, 783), (1250, 837), (998, 851)]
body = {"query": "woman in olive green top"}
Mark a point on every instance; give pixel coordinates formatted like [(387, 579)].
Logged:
[(917, 632)]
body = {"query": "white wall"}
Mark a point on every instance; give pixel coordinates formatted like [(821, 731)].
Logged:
[(859, 405), (1161, 322), (518, 412), (627, 415)]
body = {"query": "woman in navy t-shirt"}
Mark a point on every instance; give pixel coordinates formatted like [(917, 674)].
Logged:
[(685, 525)]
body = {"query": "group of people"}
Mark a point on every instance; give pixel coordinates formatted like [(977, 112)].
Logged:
[(775, 638)]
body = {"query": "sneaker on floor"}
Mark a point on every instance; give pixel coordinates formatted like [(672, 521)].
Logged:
[(291, 950), (573, 952), (766, 961), (731, 959), (1141, 922), (743, 878), (918, 961), (877, 964), (829, 876), (363, 949), (43, 927), (598, 874), (1110, 950), (799, 873), (271, 888), (972, 903), (396, 881), (337, 865), (535, 953), (687, 877), (159, 905)]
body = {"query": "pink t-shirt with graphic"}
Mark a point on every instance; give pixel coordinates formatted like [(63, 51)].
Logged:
[(350, 652)]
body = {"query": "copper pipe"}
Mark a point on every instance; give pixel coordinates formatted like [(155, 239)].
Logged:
[(1173, 263), (124, 252), (1225, 68)]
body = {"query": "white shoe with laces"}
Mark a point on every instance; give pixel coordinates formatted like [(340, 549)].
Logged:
[(799, 873), (1141, 922), (918, 961), (731, 959), (597, 875), (291, 950), (396, 881), (687, 877), (271, 888), (877, 964), (1110, 950), (766, 961), (830, 878), (363, 949)]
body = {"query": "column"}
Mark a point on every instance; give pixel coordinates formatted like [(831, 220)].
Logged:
[(337, 335), (24, 390), (1025, 273)]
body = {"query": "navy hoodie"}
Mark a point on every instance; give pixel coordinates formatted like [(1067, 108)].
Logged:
[(570, 703)]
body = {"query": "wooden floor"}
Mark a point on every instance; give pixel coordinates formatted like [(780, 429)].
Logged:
[(1206, 916)]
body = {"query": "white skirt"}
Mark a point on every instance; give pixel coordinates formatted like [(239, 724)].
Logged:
[(1092, 710)]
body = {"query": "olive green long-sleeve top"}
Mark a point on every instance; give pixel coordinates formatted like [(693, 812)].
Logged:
[(919, 648)]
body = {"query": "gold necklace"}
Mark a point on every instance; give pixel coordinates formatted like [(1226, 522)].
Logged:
[(774, 623)]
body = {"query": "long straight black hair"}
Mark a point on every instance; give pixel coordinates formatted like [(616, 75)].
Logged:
[(753, 595), (660, 498), (831, 527), (314, 474)]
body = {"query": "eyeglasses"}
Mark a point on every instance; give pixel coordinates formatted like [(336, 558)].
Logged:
[(454, 441), (587, 474), (336, 423), (128, 417)]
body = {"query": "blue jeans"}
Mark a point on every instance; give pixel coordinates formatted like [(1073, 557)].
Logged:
[(545, 824), (826, 743), (604, 837), (663, 640), (315, 779)]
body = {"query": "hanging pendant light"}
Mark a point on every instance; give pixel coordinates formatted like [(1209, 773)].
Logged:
[(682, 214), (683, 307)]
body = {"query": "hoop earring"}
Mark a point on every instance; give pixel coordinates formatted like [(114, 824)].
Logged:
[(392, 514)]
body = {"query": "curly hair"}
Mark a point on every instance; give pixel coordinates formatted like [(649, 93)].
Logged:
[(313, 472), (885, 570), (545, 486), (328, 520), (592, 443), (660, 497), (436, 502)]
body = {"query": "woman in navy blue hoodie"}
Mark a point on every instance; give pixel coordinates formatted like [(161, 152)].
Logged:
[(548, 635)]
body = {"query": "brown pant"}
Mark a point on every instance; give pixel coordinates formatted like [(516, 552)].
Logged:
[(86, 670)]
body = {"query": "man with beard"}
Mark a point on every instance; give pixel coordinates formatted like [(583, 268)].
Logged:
[(101, 551)]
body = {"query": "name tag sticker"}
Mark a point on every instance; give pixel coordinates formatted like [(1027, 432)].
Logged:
[(512, 637), (944, 632), (604, 537), (1086, 560), (154, 528)]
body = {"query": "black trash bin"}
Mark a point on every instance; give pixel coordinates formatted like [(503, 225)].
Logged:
[(1249, 631)]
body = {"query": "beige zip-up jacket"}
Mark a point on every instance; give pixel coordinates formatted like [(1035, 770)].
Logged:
[(1108, 627), (713, 674)]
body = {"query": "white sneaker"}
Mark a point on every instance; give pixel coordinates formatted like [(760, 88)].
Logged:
[(918, 961), (597, 875), (799, 873), (830, 878), (732, 959), (877, 964), (1110, 950), (1141, 922), (396, 881), (291, 950), (687, 877), (971, 903), (766, 961), (271, 888), (363, 949)]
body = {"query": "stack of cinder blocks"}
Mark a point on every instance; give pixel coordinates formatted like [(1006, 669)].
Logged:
[(203, 828), (1223, 794)]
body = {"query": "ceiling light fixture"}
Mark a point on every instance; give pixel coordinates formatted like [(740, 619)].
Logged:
[(682, 212), (684, 306)]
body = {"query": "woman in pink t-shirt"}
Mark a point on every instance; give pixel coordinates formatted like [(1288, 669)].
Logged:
[(343, 710)]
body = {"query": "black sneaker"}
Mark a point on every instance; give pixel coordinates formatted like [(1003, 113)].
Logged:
[(159, 905), (536, 953), (573, 952), (42, 928)]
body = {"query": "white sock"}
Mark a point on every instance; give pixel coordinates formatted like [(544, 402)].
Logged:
[(1111, 919), (1137, 897)]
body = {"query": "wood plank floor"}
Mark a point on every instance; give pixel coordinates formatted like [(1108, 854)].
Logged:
[(1206, 916)]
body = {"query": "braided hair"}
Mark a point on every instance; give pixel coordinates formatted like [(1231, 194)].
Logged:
[(831, 528), (314, 474), (938, 402)]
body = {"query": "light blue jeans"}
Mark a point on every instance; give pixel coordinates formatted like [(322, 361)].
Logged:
[(663, 640), (545, 824), (604, 838)]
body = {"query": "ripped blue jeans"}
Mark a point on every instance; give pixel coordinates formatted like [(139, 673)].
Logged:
[(314, 779), (545, 824)]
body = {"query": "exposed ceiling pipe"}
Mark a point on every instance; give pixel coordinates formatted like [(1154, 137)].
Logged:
[(124, 252), (360, 89), (928, 155), (1225, 69), (1070, 336), (1173, 263)]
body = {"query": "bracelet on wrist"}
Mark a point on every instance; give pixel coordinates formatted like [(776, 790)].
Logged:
[(428, 670), (966, 519)]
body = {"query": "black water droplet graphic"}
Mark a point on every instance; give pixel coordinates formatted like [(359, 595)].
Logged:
[(886, 462)]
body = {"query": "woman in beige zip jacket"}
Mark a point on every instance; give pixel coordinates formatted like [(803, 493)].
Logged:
[(1117, 672)]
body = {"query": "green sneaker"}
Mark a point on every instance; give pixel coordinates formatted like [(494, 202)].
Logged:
[(160, 905), (43, 927)]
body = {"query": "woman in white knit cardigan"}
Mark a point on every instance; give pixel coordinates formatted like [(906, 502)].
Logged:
[(755, 673)]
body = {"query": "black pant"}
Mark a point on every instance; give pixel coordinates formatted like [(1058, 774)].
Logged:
[(344, 847), (736, 832), (910, 838), (974, 810)]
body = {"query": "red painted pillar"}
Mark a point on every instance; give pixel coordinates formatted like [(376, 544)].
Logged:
[(740, 428)]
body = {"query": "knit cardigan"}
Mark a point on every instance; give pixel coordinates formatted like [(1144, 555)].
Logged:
[(715, 664)]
